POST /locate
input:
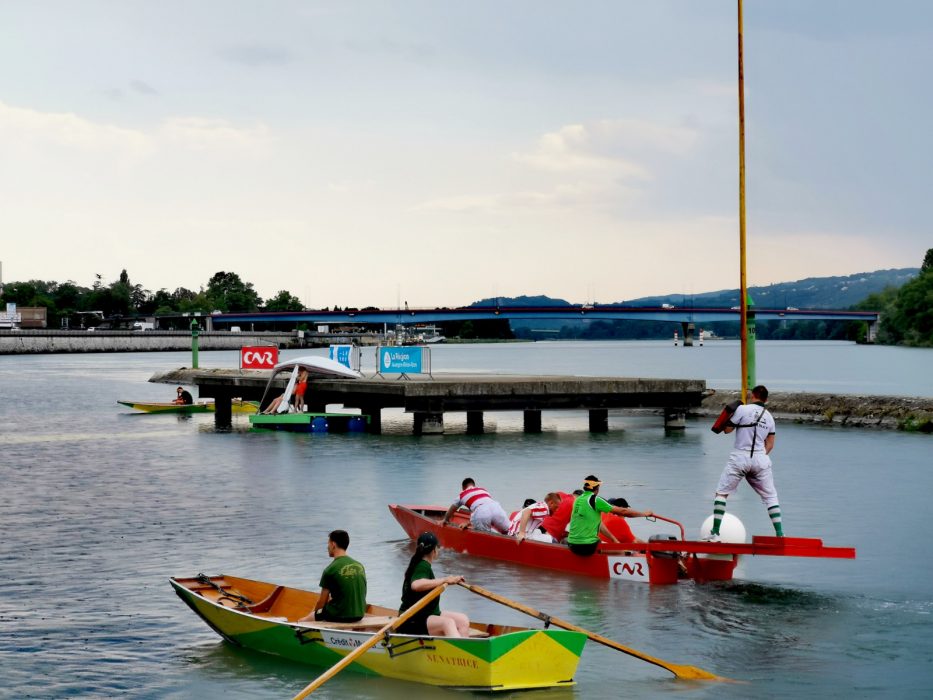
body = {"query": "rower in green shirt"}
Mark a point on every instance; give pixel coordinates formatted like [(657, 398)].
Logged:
[(586, 518), (343, 585)]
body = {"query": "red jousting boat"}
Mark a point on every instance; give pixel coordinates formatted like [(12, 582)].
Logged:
[(655, 561)]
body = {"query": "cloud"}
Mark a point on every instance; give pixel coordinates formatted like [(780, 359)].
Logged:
[(256, 55), (25, 128), (615, 147), (199, 134), (561, 197), (143, 88), (598, 166), (28, 130)]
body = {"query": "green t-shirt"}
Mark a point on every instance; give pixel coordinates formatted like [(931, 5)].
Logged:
[(409, 597), (585, 518), (345, 578)]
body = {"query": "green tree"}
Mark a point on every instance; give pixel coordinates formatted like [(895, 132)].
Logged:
[(227, 292), (927, 261), (284, 301), (907, 313)]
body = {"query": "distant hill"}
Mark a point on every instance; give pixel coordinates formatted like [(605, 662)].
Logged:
[(810, 293)]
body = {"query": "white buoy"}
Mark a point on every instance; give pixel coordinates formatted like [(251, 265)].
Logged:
[(675, 339), (731, 530)]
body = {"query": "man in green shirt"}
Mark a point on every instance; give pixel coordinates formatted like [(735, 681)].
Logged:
[(586, 518), (343, 585)]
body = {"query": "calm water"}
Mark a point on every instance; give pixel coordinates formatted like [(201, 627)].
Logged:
[(100, 506)]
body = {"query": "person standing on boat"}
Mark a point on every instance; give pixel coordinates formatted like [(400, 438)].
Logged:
[(343, 585), (419, 581), (486, 514), (586, 522), (183, 397), (750, 460)]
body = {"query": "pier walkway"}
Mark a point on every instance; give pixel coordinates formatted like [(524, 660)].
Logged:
[(429, 398)]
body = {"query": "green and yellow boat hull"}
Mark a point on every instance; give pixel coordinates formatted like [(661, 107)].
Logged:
[(498, 658), (236, 406)]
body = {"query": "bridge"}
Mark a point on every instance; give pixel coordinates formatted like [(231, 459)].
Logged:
[(687, 316)]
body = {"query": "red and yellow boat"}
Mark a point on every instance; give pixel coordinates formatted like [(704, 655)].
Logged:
[(663, 559)]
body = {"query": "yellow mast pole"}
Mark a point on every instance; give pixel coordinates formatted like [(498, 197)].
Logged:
[(743, 285)]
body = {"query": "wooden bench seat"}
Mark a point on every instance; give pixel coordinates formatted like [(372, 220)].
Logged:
[(369, 621)]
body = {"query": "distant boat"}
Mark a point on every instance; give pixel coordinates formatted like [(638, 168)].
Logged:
[(237, 406)]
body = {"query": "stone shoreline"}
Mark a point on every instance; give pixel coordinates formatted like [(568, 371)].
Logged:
[(887, 412)]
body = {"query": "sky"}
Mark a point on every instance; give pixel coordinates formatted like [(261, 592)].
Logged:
[(436, 153)]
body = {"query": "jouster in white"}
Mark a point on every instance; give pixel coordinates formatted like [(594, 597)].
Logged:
[(485, 512)]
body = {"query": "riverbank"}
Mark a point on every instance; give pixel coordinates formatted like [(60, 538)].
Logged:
[(888, 412), (33, 342)]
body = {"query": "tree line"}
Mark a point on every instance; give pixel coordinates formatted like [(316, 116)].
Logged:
[(224, 291), (906, 311)]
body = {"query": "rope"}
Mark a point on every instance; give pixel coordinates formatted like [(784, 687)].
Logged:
[(241, 600)]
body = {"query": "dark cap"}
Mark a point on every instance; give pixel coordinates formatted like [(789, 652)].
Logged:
[(618, 502), (426, 540)]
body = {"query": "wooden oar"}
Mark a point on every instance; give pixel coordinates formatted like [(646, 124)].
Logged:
[(679, 670), (376, 638)]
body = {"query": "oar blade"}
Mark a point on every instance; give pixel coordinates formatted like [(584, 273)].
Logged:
[(679, 670)]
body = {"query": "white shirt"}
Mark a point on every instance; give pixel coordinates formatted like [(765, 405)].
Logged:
[(753, 423)]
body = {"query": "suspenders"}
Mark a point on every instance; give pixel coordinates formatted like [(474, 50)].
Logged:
[(753, 425)]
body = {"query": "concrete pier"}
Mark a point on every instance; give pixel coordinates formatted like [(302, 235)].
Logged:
[(28, 342), (429, 398)]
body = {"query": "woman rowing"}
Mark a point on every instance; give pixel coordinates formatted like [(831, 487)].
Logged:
[(419, 580)]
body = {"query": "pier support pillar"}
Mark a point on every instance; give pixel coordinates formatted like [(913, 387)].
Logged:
[(599, 420), (429, 423), (872, 331), (475, 423), (688, 327), (374, 426), (223, 411), (532, 420), (675, 418)]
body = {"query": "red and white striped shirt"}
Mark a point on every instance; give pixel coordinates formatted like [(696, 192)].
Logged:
[(539, 511), (473, 497)]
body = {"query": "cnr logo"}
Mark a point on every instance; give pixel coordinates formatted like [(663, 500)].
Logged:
[(628, 568), (258, 358)]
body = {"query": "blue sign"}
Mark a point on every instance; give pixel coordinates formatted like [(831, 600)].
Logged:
[(403, 360), (341, 354)]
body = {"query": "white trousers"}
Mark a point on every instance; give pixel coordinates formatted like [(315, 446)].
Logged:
[(756, 470), (490, 517)]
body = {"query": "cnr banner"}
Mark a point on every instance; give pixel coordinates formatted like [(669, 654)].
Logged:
[(403, 360), (259, 357)]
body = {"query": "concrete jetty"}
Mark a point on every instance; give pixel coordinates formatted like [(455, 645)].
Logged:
[(428, 398), (851, 410), (28, 341)]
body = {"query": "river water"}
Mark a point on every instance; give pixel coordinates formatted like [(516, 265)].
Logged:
[(100, 506)]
